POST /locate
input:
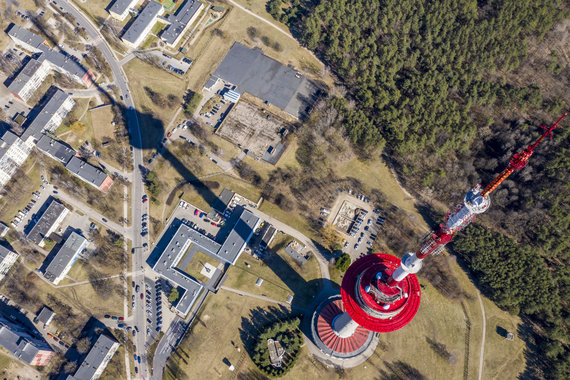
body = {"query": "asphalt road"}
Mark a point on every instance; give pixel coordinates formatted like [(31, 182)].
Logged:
[(138, 208)]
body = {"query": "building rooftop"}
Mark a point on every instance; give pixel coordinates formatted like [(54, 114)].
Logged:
[(46, 221), (5, 252), (27, 73), (45, 114), (19, 341), (120, 6), (52, 56), (145, 17), (96, 356), (45, 315), (55, 149), (180, 20), (28, 37), (238, 237), (86, 171), (184, 237), (223, 200), (64, 256), (3, 229), (267, 79)]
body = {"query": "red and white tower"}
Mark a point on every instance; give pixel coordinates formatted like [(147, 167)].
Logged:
[(380, 293)]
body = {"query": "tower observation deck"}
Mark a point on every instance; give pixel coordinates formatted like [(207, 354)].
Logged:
[(380, 293)]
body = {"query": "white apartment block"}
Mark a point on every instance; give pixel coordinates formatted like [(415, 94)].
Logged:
[(13, 153), (7, 259), (29, 78)]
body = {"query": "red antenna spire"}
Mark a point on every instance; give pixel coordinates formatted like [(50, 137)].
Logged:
[(519, 160)]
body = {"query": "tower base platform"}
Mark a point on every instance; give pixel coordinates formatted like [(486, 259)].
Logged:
[(332, 349)]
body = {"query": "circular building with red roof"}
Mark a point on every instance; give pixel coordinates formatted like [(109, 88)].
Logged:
[(344, 327)]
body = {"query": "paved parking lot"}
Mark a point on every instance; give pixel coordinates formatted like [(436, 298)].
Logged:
[(358, 221), (153, 297)]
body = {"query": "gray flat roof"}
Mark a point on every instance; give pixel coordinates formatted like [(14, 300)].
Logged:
[(46, 221), (144, 18), (65, 255), (184, 237), (55, 149), (7, 138), (51, 107), (238, 237), (45, 315), (180, 20), (27, 72), (94, 358), (173, 253), (16, 338), (54, 57), (86, 171), (267, 79), (5, 252), (26, 36), (120, 6), (223, 200)]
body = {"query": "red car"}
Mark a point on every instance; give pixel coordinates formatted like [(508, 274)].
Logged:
[(142, 297), (196, 212), (145, 200), (214, 224), (170, 134), (121, 319)]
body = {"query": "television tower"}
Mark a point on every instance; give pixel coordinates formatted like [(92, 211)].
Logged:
[(380, 293)]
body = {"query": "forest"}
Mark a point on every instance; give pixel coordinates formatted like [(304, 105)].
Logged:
[(448, 91)]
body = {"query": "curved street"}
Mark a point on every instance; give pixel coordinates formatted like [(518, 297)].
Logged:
[(138, 259)]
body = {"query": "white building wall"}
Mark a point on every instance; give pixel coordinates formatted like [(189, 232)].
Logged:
[(58, 117), (104, 363), (35, 81), (68, 267), (7, 263)]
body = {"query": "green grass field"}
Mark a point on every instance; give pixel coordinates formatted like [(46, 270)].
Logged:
[(195, 266)]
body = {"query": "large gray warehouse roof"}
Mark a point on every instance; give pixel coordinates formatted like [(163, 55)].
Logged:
[(55, 149), (46, 221), (94, 358), (144, 18), (179, 21), (267, 79), (66, 254), (86, 171)]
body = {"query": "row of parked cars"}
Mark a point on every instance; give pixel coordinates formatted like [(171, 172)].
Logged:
[(158, 300)]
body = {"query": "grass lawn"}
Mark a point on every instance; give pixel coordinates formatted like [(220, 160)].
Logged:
[(101, 119), (4, 362), (207, 345), (209, 49), (281, 275), (153, 118), (374, 174), (196, 265), (9, 205), (219, 182), (497, 364), (94, 8), (116, 367)]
